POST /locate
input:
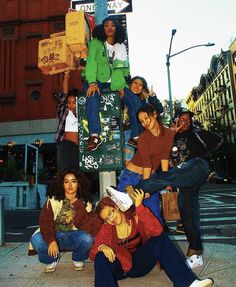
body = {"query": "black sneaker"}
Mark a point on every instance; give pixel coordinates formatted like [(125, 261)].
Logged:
[(93, 143), (133, 142)]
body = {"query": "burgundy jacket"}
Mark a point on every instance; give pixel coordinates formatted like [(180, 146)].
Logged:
[(86, 221), (148, 226)]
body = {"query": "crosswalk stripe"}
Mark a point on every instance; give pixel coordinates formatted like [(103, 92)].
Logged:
[(217, 216), (228, 212), (222, 189), (219, 226), (217, 207), (183, 237)]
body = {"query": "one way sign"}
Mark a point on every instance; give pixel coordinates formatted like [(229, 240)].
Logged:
[(113, 6)]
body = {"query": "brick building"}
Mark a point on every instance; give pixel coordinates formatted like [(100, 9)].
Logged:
[(27, 104)]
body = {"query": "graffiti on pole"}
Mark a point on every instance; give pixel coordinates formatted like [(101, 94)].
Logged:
[(109, 155)]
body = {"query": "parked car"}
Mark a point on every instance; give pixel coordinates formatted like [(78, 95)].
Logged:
[(214, 177)]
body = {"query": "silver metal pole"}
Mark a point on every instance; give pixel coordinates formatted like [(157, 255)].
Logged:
[(26, 160), (2, 222), (100, 10), (36, 161), (105, 177), (37, 167), (169, 86), (168, 73)]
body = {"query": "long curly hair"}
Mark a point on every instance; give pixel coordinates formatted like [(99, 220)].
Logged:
[(106, 201), (120, 35), (56, 189)]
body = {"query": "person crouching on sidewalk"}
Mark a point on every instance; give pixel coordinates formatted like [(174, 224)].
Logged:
[(65, 224)]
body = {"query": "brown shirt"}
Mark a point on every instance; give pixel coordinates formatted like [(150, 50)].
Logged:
[(152, 149)]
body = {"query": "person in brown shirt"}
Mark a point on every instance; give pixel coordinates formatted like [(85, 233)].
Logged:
[(154, 147), (65, 224)]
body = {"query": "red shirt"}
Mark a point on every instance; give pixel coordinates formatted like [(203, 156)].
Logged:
[(134, 240), (152, 149)]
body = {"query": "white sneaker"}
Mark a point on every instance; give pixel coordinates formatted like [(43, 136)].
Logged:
[(52, 266), (194, 261), (202, 283), (121, 199), (79, 265)]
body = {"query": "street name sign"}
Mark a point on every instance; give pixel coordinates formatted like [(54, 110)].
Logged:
[(113, 6)]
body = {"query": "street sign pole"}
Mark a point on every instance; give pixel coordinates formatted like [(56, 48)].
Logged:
[(101, 11), (105, 177), (2, 222)]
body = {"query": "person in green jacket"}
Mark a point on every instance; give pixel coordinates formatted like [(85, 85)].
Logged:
[(106, 68)]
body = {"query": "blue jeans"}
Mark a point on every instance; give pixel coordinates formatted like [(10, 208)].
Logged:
[(188, 202), (133, 103), (156, 249), (79, 242), (93, 108), (192, 173), (129, 177)]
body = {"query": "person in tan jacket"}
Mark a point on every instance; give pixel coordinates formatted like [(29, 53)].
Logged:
[(65, 224)]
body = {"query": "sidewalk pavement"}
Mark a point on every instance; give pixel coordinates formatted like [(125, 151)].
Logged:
[(19, 269)]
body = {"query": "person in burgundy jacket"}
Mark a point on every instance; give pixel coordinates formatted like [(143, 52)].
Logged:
[(131, 243), (65, 224)]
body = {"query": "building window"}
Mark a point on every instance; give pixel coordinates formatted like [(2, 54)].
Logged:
[(234, 58), (35, 95), (8, 33), (227, 74), (59, 26)]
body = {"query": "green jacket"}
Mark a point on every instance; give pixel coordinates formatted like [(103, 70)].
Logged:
[(98, 69)]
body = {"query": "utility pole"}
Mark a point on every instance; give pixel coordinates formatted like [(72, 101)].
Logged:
[(101, 11), (168, 56), (105, 177)]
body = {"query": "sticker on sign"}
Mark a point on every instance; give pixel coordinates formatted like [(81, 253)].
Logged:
[(113, 6)]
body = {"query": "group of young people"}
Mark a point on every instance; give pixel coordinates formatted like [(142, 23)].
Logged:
[(124, 235)]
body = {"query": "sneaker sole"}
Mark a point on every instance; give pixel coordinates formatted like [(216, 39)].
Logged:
[(118, 202), (180, 231), (79, 268), (133, 145), (209, 283), (194, 265), (49, 270), (95, 147)]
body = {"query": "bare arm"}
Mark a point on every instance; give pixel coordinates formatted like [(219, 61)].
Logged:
[(65, 85), (164, 164), (146, 172)]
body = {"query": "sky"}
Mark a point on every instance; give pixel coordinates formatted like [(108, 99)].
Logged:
[(197, 22)]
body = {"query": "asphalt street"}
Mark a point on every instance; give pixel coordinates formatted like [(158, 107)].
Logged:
[(218, 217)]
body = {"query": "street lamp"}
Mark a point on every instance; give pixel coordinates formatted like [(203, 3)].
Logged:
[(168, 56)]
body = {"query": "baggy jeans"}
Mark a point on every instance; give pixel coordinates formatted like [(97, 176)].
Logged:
[(79, 242), (188, 202), (192, 173), (93, 108), (156, 249), (129, 177)]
